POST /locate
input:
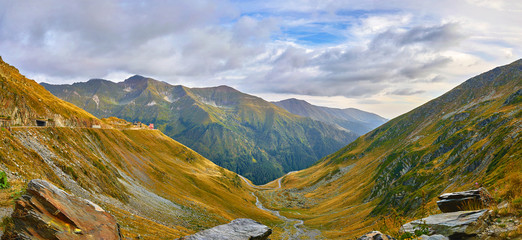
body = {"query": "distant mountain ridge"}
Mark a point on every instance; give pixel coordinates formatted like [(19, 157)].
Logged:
[(351, 119), (240, 132)]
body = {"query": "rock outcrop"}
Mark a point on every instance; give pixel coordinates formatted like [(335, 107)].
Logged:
[(47, 212), (464, 201), (238, 229), (454, 225), (375, 235), (433, 237)]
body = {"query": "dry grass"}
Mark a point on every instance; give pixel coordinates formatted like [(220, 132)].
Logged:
[(98, 158)]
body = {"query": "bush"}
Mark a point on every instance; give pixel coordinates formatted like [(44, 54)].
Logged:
[(3, 180)]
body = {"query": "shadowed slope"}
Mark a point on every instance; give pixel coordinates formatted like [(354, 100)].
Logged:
[(351, 119)]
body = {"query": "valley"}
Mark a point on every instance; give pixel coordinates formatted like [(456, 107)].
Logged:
[(237, 131), (292, 228), (259, 120), (157, 188)]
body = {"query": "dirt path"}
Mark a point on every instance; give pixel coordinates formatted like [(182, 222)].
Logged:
[(297, 224)]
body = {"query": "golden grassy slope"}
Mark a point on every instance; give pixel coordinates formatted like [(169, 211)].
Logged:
[(466, 138), (24, 100), (156, 187), (120, 170)]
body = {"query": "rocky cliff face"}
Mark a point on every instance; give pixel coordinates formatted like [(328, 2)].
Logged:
[(47, 212)]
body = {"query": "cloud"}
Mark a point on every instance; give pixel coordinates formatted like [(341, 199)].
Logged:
[(359, 50), (436, 37), (406, 92), (395, 56), (95, 38)]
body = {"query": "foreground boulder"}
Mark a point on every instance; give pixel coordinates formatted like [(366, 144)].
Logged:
[(433, 237), (238, 229), (47, 212), (464, 201), (455, 225), (375, 235)]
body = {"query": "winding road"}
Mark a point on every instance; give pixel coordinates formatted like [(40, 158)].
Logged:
[(297, 222)]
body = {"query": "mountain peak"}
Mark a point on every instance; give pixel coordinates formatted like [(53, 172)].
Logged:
[(136, 79), (350, 119), (295, 101), (97, 80), (225, 88)]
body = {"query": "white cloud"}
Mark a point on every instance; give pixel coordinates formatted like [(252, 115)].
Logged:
[(380, 52)]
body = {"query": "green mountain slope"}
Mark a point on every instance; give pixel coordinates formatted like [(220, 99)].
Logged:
[(156, 187), (240, 132), (351, 119), (468, 137)]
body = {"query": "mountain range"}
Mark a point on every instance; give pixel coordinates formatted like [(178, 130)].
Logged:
[(350, 119), (240, 132), (158, 188)]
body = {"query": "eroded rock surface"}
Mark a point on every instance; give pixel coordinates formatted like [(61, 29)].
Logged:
[(47, 212), (454, 225), (238, 229)]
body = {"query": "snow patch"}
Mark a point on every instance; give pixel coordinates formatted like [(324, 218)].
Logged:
[(96, 100), (151, 103), (213, 103)]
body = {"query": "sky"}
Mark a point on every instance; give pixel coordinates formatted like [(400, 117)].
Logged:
[(386, 57)]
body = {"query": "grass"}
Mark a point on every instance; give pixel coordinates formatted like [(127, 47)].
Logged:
[(409, 174), (391, 171), (97, 159)]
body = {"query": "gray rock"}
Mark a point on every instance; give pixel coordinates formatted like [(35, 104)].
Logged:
[(375, 235), (464, 201), (238, 229), (47, 212), (433, 237), (455, 224)]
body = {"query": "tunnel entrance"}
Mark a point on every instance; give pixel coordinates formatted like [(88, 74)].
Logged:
[(41, 123)]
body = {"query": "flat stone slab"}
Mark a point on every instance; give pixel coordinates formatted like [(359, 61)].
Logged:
[(238, 229), (461, 223)]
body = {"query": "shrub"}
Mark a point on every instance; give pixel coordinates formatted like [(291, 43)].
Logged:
[(3, 180)]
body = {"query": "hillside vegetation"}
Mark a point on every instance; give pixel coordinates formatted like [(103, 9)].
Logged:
[(156, 187), (240, 132), (22, 101), (468, 137)]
